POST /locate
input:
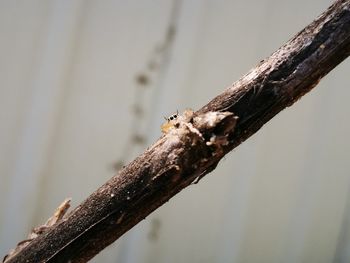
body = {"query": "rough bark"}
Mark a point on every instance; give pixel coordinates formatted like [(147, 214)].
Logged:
[(196, 143)]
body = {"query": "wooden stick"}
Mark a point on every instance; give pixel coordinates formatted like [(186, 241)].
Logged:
[(196, 143)]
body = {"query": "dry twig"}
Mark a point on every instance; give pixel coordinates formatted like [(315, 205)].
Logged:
[(198, 142)]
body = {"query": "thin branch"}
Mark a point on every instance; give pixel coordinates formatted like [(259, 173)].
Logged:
[(197, 142)]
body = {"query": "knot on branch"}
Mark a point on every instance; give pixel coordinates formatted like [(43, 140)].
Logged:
[(215, 126), (212, 127)]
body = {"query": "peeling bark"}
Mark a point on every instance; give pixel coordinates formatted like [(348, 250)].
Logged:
[(197, 142)]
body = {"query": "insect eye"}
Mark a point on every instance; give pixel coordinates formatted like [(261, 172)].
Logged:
[(175, 116), (171, 118)]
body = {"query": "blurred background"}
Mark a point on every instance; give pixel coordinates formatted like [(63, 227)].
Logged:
[(84, 86)]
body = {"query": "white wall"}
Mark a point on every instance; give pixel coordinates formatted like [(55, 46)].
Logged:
[(67, 89)]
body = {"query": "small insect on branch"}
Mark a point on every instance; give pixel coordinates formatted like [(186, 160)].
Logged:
[(170, 122)]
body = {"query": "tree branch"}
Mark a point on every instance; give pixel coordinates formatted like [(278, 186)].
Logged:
[(196, 143)]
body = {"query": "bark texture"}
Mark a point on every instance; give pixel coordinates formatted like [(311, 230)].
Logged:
[(196, 143)]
